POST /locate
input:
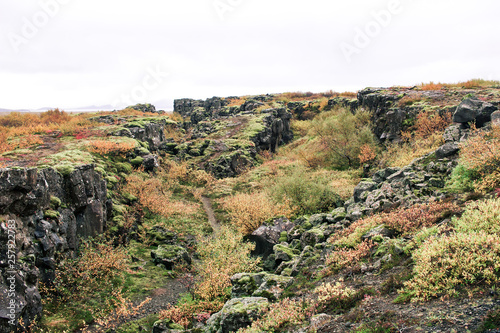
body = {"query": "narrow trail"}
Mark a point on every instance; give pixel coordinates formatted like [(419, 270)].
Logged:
[(207, 205), (160, 299)]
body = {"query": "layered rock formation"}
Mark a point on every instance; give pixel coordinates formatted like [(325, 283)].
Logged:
[(51, 213)]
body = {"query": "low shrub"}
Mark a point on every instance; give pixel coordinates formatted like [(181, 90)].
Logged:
[(248, 211), (404, 220), (221, 256), (443, 264), (281, 314), (342, 134), (348, 257), (306, 194), (480, 216), (480, 160), (111, 147), (333, 297)]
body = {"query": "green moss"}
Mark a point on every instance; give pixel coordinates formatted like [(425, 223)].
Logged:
[(53, 214), (137, 161), (55, 202), (143, 151), (128, 198), (119, 209), (124, 167)]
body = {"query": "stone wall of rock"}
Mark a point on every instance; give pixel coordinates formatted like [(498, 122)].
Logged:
[(51, 213)]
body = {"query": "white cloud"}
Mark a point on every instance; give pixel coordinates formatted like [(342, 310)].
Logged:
[(91, 51)]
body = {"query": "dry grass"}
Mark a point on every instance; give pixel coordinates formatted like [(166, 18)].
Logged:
[(248, 211), (470, 84), (22, 130), (307, 96), (110, 147)]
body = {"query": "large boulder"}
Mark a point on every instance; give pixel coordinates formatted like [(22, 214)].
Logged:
[(472, 109), (266, 236), (270, 286), (237, 313), (170, 255)]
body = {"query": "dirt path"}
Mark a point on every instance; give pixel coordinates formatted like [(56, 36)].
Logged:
[(207, 205), (161, 299)]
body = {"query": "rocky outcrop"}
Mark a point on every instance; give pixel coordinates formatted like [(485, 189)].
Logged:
[(388, 116), (237, 313), (276, 130), (474, 110), (270, 286), (51, 212), (186, 106)]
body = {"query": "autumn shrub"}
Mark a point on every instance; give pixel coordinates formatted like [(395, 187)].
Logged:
[(423, 137), (479, 162), (157, 196), (248, 211), (404, 220), (279, 316), (480, 216), (342, 258), (305, 193), (342, 135), (446, 263), (221, 256), (431, 86), (88, 286), (334, 296), (410, 100), (111, 147), (97, 264), (19, 130)]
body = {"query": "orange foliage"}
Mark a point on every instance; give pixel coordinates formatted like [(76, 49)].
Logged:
[(431, 86), (348, 258), (105, 147), (481, 153), (430, 122), (15, 125), (156, 196), (249, 211), (366, 154)]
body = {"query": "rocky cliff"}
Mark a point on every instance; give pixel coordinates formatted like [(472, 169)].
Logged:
[(48, 214)]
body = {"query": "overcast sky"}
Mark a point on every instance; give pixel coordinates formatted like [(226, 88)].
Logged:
[(75, 53)]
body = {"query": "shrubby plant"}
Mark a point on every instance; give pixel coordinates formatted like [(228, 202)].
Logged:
[(444, 264), (306, 194), (479, 161), (221, 256), (249, 211), (280, 314), (480, 216), (342, 135)]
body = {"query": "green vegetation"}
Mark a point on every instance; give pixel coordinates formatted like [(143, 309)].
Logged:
[(347, 254)]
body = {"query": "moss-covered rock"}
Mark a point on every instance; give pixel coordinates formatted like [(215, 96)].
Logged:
[(170, 255), (263, 284), (237, 313)]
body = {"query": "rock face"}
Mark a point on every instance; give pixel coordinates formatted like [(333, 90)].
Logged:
[(237, 313), (50, 212), (389, 117), (230, 151), (276, 130), (473, 109)]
